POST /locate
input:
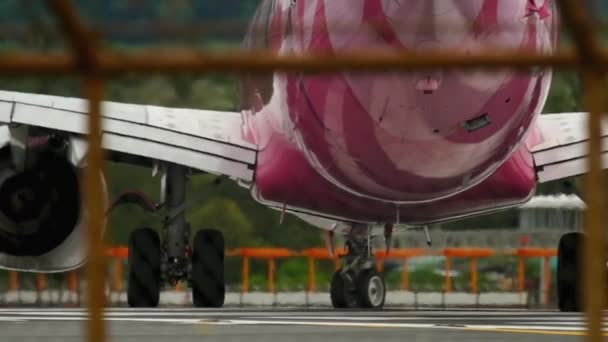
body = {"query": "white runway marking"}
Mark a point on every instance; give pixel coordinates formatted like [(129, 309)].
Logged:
[(84, 318), (397, 325), (338, 318), (381, 318), (522, 321)]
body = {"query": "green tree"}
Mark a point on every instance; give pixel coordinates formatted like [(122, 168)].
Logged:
[(227, 216), (565, 94)]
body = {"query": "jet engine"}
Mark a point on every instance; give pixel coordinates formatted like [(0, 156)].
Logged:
[(41, 212)]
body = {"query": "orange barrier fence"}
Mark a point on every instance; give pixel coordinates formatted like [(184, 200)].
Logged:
[(118, 255), (544, 253), (472, 254), (270, 254)]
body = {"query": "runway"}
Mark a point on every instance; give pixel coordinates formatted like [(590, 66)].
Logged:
[(294, 325)]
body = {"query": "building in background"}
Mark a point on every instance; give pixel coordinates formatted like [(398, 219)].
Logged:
[(560, 212), (540, 223)]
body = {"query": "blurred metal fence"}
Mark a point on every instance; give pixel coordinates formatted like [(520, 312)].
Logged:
[(95, 65), (523, 290)]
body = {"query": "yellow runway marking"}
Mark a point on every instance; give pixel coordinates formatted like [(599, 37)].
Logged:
[(431, 326), (533, 331)]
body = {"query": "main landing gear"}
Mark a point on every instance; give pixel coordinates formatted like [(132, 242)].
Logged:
[(358, 284), (156, 261), (570, 272)]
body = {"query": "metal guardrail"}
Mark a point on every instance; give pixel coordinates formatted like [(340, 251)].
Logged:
[(95, 65), (117, 257)]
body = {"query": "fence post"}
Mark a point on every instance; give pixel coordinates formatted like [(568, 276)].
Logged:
[(73, 281), (40, 282), (521, 274), (547, 276), (448, 278), (312, 282), (40, 286), (405, 275), (245, 288), (271, 272), (73, 288), (13, 280), (474, 288)]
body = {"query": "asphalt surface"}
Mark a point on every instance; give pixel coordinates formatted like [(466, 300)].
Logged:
[(294, 325)]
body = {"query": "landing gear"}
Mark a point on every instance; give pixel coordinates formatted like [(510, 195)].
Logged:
[(569, 272), (358, 284), (208, 288), (342, 292), (371, 289), (144, 269), (169, 259)]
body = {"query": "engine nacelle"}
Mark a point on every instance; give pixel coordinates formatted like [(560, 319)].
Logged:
[(42, 215)]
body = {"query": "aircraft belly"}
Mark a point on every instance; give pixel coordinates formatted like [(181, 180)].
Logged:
[(285, 178)]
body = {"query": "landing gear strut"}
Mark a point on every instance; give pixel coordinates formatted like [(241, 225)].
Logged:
[(358, 284), (170, 258)]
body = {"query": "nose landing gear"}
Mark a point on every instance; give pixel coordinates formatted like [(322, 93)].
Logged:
[(358, 284)]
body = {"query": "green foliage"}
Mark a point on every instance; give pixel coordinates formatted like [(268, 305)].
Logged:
[(225, 215), (393, 280), (292, 274), (565, 95), (153, 91), (183, 91), (425, 278), (499, 219), (177, 10), (227, 207), (213, 93), (258, 281), (125, 219)]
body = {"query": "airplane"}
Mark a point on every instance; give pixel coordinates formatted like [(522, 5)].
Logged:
[(358, 154)]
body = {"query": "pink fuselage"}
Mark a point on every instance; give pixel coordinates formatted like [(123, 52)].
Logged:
[(413, 147)]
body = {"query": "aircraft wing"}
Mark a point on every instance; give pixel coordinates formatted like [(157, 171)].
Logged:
[(559, 143), (204, 140)]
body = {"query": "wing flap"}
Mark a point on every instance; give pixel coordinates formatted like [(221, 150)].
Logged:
[(565, 145), (205, 140)]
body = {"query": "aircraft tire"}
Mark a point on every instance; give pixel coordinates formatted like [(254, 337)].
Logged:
[(371, 289), (208, 283), (337, 291), (569, 272), (143, 289)]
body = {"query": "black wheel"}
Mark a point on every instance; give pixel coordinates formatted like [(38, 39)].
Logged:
[(341, 294), (208, 284), (569, 272), (143, 289), (371, 289), (337, 291)]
